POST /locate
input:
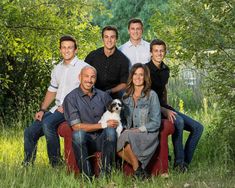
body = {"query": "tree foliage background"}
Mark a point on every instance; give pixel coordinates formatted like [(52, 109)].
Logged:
[(119, 12), (29, 43)]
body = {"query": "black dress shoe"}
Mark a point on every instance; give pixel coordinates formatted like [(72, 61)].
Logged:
[(146, 174), (169, 158), (26, 164), (140, 173), (182, 167)]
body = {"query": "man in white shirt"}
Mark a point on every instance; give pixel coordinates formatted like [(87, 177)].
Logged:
[(64, 78), (136, 49)]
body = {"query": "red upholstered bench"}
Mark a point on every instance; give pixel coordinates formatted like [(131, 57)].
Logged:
[(157, 165), (65, 131)]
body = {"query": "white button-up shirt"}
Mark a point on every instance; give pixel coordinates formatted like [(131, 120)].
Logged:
[(137, 54), (64, 78)]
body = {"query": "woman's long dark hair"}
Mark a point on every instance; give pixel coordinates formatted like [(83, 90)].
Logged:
[(147, 80)]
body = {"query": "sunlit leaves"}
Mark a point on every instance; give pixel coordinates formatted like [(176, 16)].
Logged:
[(119, 12), (29, 42)]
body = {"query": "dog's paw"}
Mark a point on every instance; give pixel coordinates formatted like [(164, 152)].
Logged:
[(104, 125)]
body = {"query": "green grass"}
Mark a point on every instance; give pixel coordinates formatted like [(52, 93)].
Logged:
[(205, 170)]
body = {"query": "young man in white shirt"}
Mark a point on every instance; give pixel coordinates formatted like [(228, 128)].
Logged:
[(136, 49), (64, 78)]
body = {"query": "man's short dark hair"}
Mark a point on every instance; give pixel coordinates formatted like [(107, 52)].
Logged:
[(110, 28), (157, 42), (135, 20), (68, 38)]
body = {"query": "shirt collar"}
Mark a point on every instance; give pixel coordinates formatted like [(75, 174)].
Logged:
[(82, 94), (129, 43), (114, 53), (73, 62), (154, 67), (141, 95)]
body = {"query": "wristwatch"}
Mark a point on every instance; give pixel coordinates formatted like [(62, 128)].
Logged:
[(42, 110)]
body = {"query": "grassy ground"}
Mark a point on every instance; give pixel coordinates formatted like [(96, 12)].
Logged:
[(203, 171)]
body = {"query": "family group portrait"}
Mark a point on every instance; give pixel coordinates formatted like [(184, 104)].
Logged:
[(110, 94)]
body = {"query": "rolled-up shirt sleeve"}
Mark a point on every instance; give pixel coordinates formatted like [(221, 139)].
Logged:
[(53, 87), (71, 112)]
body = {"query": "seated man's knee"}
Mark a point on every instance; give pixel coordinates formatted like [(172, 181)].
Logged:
[(27, 132), (48, 129), (199, 129), (78, 137), (179, 123), (31, 132), (111, 134)]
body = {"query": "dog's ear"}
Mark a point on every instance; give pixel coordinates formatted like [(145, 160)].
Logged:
[(122, 103), (109, 106)]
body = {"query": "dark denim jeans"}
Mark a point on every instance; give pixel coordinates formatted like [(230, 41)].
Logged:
[(48, 127), (184, 154), (86, 143)]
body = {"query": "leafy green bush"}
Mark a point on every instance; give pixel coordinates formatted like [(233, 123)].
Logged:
[(29, 43), (192, 96)]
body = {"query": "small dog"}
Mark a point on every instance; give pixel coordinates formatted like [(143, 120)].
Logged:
[(113, 113)]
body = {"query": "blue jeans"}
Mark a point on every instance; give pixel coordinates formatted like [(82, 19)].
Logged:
[(86, 143), (48, 127), (184, 154)]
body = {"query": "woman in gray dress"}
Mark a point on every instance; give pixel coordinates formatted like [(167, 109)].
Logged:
[(141, 121)]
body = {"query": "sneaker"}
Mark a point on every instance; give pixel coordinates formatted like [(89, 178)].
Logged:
[(57, 163), (169, 158)]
